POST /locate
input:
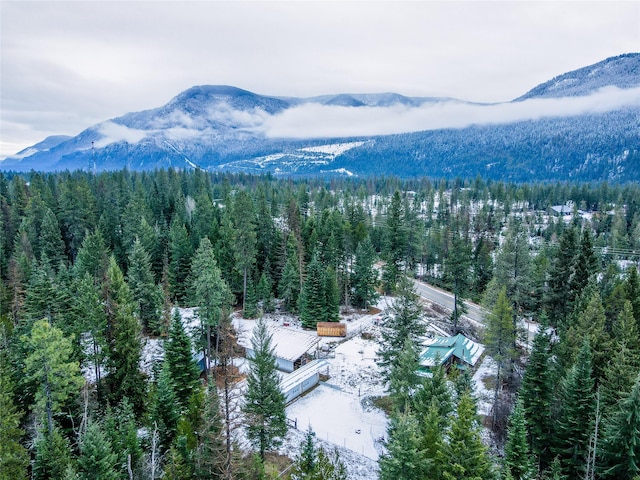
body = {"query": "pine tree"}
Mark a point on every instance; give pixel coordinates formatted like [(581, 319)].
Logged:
[(165, 410), (93, 258), (145, 293), (537, 394), (620, 451), (97, 461), (365, 276), (516, 450), (559, 298), (467, 456), (49, 365), (52, 457), (313, 300), (181, 252), (210, 455), (434, 389), (125, 347), (457, 275), (92, 319), (14, 458), (404, 459), (632, 289), (402, 322), (245, 239), (183, 370), (305, 462), (210, 293), (51, 244), (264, 402), (433, 428), (585, 265), (403, 377), (121, 430), (250, 309), (329, 466), (289, 286), (575, 421), (500, 337), (263, 290), (395, 239)]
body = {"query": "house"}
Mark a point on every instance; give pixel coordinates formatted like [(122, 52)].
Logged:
[(331, 329), (292, 348), (562, 210), (459, 351), (302, 380)]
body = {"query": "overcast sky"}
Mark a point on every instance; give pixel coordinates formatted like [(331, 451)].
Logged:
[(68, 65)]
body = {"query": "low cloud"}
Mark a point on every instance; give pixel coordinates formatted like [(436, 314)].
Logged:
[(113, 132), (314, 120)]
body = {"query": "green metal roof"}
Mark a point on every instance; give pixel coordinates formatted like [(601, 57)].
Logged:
[(440, 349)]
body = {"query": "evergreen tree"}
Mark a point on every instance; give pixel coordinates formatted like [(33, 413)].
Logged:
[(245, 239), (49, 365), (585, 266), (500, 336), (97, 461), (92, 319), (181, 251), (467, 456), (559, 298), (165, 410), (210, 455), (575, 421), (434, 390), (620, 451), (632, 289), (52, 457), (51, 244), (537, 394), (250, 309), (402, 322), (433, 427), (263, 291), (457, 275), (365, 276), (264, 401), (93, 258), (404, 459), (516, 449), (122, 432), (403, 377), (332, 296), (125, 348), (305, 462), (183, 370), (289, 286), (313, 298), (210, 293), (146, 295), (14, 458), (329, 466), (394, 247)]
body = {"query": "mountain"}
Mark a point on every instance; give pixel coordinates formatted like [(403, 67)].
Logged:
[(587, 130)]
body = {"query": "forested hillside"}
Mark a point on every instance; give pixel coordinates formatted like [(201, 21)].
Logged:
[(92, 266)]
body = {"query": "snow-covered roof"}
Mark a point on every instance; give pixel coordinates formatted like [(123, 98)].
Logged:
[(444, 347), (287, 343), (301, 374)]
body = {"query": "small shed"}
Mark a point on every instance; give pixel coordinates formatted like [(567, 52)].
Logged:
[(292, 348), (302, 380), (458, 350), (331, 329)]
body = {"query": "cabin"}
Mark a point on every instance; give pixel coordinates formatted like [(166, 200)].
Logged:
[(331, 329), (562, 210), (302, 380), (292, 348), (458, 351)]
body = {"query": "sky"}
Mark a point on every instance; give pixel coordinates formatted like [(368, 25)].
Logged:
[(68, 65)]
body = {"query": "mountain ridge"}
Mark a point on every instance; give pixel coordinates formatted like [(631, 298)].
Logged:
[(222, 127)]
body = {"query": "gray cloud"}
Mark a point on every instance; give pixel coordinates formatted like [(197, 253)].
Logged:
[(67, 65)]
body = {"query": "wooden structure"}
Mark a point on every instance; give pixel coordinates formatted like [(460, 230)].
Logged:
[(331, 329)]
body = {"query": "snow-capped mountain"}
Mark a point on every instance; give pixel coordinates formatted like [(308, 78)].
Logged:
[(582, 125)]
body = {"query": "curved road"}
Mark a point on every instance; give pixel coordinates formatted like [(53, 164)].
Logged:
[(475, 312)]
